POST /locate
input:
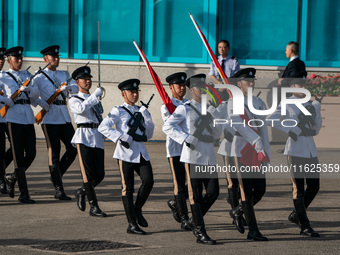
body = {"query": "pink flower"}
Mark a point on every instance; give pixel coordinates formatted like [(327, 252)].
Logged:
[(312, 76)]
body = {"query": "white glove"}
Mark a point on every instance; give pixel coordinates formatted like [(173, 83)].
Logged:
[(64, 88), (7, 101), (259, 145), (25, 88), (317, 106), (126, 138), (211, 110), (98, 92), (144, 111), (191, 140)]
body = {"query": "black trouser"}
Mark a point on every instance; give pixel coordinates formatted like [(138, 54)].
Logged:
[(178, 175), (91, 163), (54, 133), (300, 175), (144, 170), (5, 155), (195, 190), (23, 141)]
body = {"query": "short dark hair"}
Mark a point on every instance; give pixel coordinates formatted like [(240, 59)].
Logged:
[(295, 47), (226, 42)]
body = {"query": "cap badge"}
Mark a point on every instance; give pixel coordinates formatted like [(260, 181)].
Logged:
[(202, 79), (85, 71), (19, 52), (56, 50), (251, 73), (182, 78), (135, 84)]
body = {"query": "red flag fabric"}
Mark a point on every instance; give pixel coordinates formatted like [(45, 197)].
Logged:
[(165, 97)]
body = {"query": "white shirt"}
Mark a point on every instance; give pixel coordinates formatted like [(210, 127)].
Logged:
[(2, 87), (180, 125), (19, 113), (231, 66), (57, 114), (292, 58), (304, 146), (120, 117), (82, 113), (248, 135), (173, 149), (225, 146)]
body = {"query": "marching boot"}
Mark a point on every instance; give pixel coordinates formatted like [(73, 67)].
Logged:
[(80, 197), (300, 209), (3, 186), (236, 212), (199, 231), (58, 183), (293, 218), (172, 205), (133, 227), (10, 180), (254, 233), (182, 212), (22, 183), (92, 198), (142, 196)]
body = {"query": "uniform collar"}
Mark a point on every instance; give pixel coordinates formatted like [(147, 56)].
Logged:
[(178, 101), (12, 71), (226, 58), (292, 58), (129, 106), (81, 94), (48, 71), (195, 103)]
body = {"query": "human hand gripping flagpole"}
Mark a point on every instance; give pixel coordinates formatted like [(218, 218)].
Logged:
[(165, 97)]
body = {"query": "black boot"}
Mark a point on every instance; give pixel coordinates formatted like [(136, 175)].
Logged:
[(22, 183), (254, 233), (58, 183), (10, 181), (236, 212), (92, 198), (199, 231), (172, 205), (142, 196), (3, 186), (182, 209), (80, 197), (129, 208), (293, 218), (300, 209)]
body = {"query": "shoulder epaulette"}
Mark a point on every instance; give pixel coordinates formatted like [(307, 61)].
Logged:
[(235, 58)]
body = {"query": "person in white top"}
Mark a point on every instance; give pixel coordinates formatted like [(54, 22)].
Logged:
[(56, 124), (301, 153), (173, 150), (133, 127), (20, 121), (194, 131), (87, 139), (247, 142), (6, 156)]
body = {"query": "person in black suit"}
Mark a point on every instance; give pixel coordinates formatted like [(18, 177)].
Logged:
[(296, 65)]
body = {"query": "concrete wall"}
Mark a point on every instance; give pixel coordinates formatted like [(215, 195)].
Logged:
[(113, 72)]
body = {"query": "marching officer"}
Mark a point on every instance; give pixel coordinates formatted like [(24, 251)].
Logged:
[(133, 127), (188, 127), (20, 121), (173, 150), (56, 124), (6, 156), (301, 153), (247, 141), (87, 139)]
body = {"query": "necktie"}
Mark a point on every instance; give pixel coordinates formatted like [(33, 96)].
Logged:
[(222, 65)]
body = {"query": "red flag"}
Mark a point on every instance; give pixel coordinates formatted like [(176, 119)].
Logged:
[(165, 98), (212, 55)]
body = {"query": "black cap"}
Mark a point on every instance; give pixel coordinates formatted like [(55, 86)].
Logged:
[(14, 51), (2, 52), (51, 50), (247, 73), (298, 78), (176, 78), (131, 84), (197, 80), (81, 72)]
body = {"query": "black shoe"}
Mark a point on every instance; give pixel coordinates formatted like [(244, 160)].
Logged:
[(26, 200), (191, 224), (61, 196), (80, 197), (202, 236), (3, 187), (185, 225), (236, 214), (256, 236), (293, 218), (308, 231), (10, 181), (95, 210), (172, 206), (140, 218), (135, 229)]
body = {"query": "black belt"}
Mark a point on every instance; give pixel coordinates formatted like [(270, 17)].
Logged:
[(59, 102), (87, 125), (22, 101)]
